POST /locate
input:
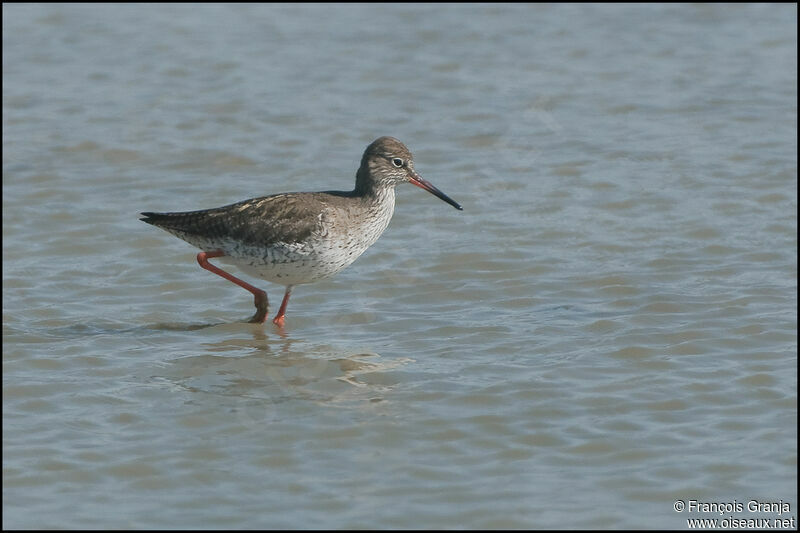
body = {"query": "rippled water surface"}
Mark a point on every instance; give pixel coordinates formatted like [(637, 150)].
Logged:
[(609, 326)]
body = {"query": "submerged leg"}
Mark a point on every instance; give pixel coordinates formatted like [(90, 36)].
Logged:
[(279, 318), (260, 296)]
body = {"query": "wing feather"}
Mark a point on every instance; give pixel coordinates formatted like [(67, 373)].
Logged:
[(288, 218)]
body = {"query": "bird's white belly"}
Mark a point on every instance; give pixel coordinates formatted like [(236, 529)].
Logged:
[(321, 256), (293, 264)]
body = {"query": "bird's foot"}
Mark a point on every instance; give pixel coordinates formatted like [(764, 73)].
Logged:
[(261, 308)]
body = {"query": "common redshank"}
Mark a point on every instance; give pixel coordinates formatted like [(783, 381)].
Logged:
[(300, 237)]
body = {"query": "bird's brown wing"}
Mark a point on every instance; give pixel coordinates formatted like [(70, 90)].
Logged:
[(288, 218)]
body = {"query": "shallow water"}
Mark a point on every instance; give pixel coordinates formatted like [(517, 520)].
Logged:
[(609, 326)]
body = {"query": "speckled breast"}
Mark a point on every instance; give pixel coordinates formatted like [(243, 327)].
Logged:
[(342, 236)]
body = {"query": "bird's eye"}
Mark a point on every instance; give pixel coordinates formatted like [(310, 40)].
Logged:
[(397, 162)]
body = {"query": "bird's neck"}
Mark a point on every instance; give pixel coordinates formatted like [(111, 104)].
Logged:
[(371, 190), (364, 185)]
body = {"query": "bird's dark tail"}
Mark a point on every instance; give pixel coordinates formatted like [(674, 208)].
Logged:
[(154, 218)]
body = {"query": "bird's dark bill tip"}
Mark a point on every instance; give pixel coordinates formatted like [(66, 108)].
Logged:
[(428, 186)]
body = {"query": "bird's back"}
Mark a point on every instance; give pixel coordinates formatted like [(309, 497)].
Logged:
[(264, 221), (288, 238)]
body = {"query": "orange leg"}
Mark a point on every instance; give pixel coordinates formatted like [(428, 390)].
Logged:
[(261, 302), (279, 318)]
